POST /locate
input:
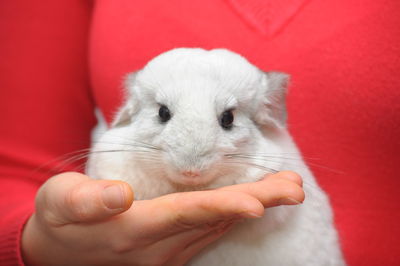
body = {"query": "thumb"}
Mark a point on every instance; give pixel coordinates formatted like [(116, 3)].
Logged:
[(73, 197)]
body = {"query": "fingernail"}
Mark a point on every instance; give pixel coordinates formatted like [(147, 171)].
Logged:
[(289, 201), (250, 215), (114, 197)]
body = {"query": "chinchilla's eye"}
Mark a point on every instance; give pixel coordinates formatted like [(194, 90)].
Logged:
[(164, 113), (226, 119)]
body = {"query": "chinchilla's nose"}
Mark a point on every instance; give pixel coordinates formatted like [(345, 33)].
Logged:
[(192, 147)]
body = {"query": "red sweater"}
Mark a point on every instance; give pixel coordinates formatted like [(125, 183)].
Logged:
[(58, 59)]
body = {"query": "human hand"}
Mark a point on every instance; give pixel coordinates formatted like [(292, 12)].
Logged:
[(81, 221)]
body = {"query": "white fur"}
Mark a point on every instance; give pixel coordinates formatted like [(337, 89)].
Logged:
[(198, 86)]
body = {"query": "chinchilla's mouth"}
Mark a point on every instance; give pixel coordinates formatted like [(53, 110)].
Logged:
[(204, 182), (191, 181)]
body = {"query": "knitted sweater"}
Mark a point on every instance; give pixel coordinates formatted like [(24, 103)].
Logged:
[(60, 59)]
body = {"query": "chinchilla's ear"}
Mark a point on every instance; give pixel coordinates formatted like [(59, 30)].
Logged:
[(272, 107), (131, 104)]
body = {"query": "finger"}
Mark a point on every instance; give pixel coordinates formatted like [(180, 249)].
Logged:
[(283, 188), (288, 175), (174, 213), (197, 208), (73, 197)]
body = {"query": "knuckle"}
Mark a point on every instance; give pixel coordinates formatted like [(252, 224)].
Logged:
[(290, 189), (178, 206), (73, 201), (119, 246), (56, 198), (49, 218), (301, 194), (290, 176), (43, 204), (294, 177)]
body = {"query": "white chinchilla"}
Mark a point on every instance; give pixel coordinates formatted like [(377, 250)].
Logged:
[(196, 119)]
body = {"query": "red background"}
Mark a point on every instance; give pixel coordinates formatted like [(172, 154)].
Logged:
[(60, 57)]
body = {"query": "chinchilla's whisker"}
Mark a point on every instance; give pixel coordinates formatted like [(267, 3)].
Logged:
[(117, 150), (335, 171), (307, 184), (143, 159), (85, 153), (127, 141), (261, 167), (249, 156), (264, 153), (260, 155), (71, 160), (271, 171), (269, 158), (57, 160), (67, 157), (144, 156), (79, 168), (132, 142), (147, 157), (276, 155), (139, 154), (135, 145)]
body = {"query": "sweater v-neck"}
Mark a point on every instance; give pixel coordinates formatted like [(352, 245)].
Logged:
[(269, 17)]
